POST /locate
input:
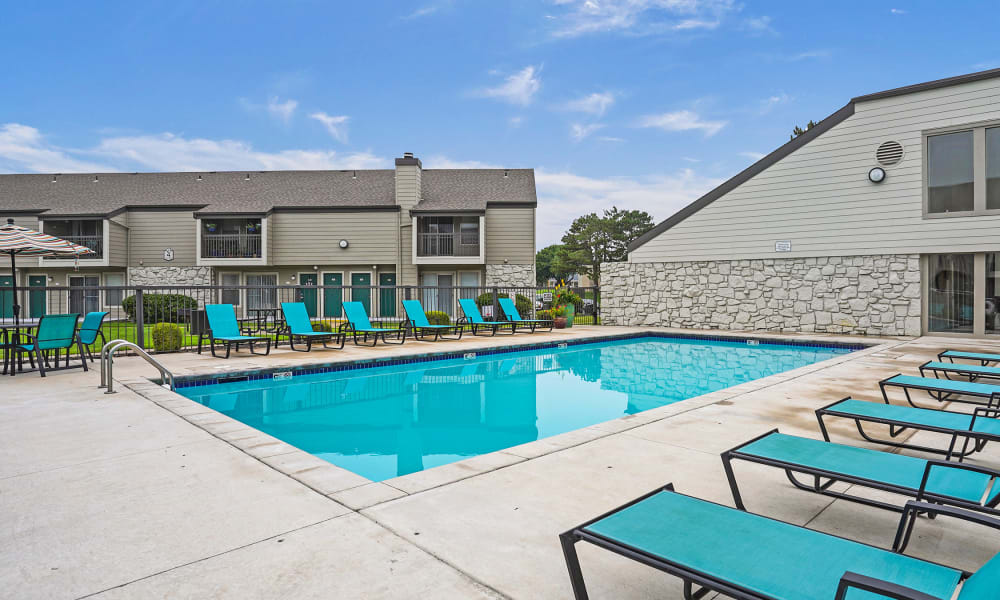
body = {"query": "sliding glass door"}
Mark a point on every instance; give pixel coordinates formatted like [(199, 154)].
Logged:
[(950, 293), (992, 304)]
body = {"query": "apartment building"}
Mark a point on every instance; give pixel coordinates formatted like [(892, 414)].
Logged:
[(385, 227)]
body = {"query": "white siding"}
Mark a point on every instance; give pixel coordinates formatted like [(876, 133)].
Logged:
[(820, 199)]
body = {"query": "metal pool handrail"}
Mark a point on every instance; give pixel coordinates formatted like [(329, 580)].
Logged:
[(107, 364)]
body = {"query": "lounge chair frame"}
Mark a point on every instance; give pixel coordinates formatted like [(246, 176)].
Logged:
[(492, 326), (698, 584), (421, 332), (530, 325), (819, 486), (232, 344), (309, 338), (935, 392), (983, 362), (400, 334), (956, 369), (977, 439)]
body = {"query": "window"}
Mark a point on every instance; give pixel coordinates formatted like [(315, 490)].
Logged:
[(993, 292), (993, 168), (950, 173), (229, 296), (114, 297), (950, 306), (262, 291), (83, 295)]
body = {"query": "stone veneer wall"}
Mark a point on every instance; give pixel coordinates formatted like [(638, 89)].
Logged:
[(873, 295), (170, 276), (501, 274)]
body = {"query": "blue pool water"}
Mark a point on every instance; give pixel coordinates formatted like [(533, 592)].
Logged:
[(387, 421)]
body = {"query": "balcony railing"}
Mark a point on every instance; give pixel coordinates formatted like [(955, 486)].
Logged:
[(94, 242), (230, 245), (448, 244)]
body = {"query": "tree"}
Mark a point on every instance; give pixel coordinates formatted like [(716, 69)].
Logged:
[(592, 239), (799, 131), (550, 262)]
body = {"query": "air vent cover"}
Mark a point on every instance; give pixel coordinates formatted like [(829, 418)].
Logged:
[(889, 153)]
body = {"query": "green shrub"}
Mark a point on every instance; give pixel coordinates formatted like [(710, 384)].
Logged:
[(544, 314), (486, 299), (167, 337), (437, 317), (323, 326), (559, 311), (160, 308), (523, 305), (565, 296)]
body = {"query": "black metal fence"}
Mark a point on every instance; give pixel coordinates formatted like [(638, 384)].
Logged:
[(134, 311)]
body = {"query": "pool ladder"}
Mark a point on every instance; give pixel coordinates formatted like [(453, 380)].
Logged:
[(108, 361)]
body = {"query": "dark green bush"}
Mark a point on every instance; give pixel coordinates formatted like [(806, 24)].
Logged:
[(486, 299), (524, 305), (544, 314), (322, 326), (160, 308), (437, 317), (167, 337)]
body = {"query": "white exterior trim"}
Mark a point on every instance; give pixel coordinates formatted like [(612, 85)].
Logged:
[(230, 262), (104, 261), (450, 260)]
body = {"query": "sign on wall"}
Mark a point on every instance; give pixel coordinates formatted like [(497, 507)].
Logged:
[(168, 254), (783, 246)]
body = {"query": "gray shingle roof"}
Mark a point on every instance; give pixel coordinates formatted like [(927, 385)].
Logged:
[(231, 192)]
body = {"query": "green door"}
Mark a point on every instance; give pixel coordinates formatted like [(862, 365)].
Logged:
[(308, 295), (362, 291), (6, 297), (387, 295), (36, 298), (333, 298)]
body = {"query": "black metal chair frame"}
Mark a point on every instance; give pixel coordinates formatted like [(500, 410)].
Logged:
[(320, 336), (978, 439), (400, 331), (440, 333), (38, 358), (935, 392), (956, 369), (532, 325), (697, 584), (823, 487), (982, 361), (232, 344), (492, 326)]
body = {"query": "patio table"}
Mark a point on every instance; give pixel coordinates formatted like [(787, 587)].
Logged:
[(262, 316), (6, 332)]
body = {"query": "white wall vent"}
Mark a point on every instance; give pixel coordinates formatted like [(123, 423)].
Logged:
[(889, 153)]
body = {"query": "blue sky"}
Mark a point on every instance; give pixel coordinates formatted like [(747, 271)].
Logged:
[(641, 104)]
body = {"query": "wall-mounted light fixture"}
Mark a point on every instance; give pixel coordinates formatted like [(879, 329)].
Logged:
[(344, 244), (876, 175)]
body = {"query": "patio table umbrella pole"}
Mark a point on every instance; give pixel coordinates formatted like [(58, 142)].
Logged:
[(16, 240)]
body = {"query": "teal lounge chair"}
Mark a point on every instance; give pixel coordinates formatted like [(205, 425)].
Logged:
[(948, 370), (422, 328), (942, 390), (54, 333), (298, 326), (510, 310), (824, 463), (984, 359), (90, 330), (223, 327), (475, 320), (358, 323), (714, 548), (975, 430)]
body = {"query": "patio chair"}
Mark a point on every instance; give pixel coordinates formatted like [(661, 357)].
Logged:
[(942, 390), (421, 327), (357, 322), (298, 326), (223, 327), (982, 426), (54, 333), (475, 320), (90, 330), (950, 369), (510, 310), (715, 548), (967, 486), (984, 359)]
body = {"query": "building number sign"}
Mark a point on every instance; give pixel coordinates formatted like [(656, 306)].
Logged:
[(168, 254)]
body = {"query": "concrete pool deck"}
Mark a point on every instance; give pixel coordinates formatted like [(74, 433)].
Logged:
[(118, 496)]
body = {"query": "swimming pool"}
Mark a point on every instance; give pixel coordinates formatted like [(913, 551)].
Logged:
[(382, 422)]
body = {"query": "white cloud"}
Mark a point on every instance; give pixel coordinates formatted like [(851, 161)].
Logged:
[(563, 196), (283, 111), (515, 121), (759, 24), (767, 104), (335, 126), (594, 104), (682, 120), (639, 17), (579, 131), (608, 138), (754, 156), (23, 148), (439, 161), (897, 11), (807, 55), (519, 88)]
